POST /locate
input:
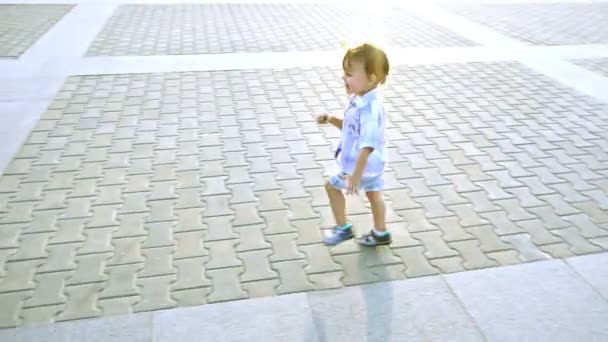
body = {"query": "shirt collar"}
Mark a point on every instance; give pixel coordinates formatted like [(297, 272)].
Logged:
[(360, 101)]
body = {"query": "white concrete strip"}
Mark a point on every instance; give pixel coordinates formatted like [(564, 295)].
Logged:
[(462, 26), (571, 75), (539, 59), (72, 35), (277, 60), (269, 60)]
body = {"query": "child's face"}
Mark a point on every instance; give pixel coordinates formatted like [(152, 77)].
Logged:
[(356, 80)]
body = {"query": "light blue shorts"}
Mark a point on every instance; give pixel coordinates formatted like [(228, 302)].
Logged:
[(368, 184)]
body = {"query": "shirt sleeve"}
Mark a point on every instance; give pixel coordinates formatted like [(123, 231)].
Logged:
[(370, 127)]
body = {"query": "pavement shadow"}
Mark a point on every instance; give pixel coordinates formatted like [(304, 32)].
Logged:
[(378, 299)]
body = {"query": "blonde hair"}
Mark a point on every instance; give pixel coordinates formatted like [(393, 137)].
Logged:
[(374, 59)]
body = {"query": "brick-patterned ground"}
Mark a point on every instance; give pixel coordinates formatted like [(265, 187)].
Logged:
[(22, 25), (220, 28), (150, 191), (598, 65), (543, 24)]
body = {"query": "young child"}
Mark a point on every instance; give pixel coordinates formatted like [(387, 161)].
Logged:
[(361, 154)]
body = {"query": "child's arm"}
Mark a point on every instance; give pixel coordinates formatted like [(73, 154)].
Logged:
[(361, 162), (328, 119), (335, 121)]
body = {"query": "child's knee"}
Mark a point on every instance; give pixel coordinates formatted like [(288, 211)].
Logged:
[(375, 197)]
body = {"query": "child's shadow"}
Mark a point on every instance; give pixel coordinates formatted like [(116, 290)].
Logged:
[(377, 301)]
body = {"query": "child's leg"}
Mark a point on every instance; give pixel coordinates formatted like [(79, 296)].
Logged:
[(376, 201), (338, 204)]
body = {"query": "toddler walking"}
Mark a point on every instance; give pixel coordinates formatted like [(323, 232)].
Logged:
[(361, 154)]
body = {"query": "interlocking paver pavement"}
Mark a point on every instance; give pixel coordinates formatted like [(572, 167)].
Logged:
[(542, 24), (23, 24), (599, 65), (225, 28), (141, 192)]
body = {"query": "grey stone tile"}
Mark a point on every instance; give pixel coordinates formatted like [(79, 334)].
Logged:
[(593, 269), (422, 309), (284, 318), (132, 328), (544, 301)]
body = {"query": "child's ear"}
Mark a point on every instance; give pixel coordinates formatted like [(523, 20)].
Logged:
[(373, 78)]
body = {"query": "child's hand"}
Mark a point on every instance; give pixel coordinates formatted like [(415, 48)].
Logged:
[(352, 184), (322, 119)]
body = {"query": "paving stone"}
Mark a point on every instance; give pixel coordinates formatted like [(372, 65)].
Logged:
[(251, 238), (49, 290), (326, 281), (189, 245), (449, 264), (155, 293), (587, 227), (505, 258), (594, 211), (601, 241), (549, 218), (159, 234), (319, 259), (191, 297), (36, 316), (526, 198), (19, 275), (257, 266), (270, 200), (222, 254), (225, 285), (577, 181), (557, 250), (11, 303), (526, 248), (467, 215), (284, 247), (433, 207), (121, 281), (89, 269), (578, 244), (448, 195), (434, 244), (501, 223), (309, 232), (416, 220), (416, 264), (98, 240), (157, 262), (481, 202), (514, 210), (190, 274), (264, 288), (505, 180), (9, 235), (219, 228), (18, 212), (473, 256), (539, 233), (560, 207), (127, 251), (82, 302), (246, 214), (301, 209), (387, 273), (31, 246)]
